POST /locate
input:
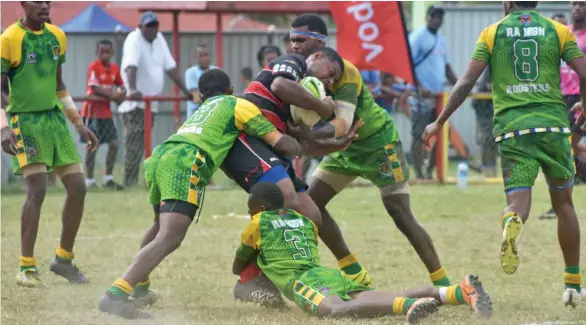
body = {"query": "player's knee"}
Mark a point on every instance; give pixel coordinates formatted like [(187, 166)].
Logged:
[(75, 186), (113, 145), (36, 192)]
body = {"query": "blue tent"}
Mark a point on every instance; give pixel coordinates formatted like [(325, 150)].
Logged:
[(94, 19)]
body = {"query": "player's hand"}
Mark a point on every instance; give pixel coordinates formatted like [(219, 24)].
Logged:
[(330, 104), (430, 131), (300, 131), (581, 120), (350, 136), (8, 141), (135, 95), (92, 141)]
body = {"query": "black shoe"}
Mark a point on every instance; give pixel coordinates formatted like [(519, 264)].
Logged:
[(121, 307), (113, 185), (548, 215), (69, 271)]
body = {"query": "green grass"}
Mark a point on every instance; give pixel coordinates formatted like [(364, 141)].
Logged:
[(196, 281)]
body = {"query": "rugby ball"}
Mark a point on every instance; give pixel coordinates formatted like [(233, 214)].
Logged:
[(304, 116)]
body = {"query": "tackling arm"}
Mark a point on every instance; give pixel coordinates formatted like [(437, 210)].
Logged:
[(340, 125)]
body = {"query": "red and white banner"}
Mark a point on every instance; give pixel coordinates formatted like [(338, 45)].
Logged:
[(372, 36)]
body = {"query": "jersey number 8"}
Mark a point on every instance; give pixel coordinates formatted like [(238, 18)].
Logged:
[(300, 241), (526, 52)]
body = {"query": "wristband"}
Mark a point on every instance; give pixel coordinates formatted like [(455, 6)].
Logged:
[(66, 100)]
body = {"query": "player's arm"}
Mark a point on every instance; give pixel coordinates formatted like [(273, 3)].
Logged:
[(573, 56), (248, 249), (322, 147), (191, 79), (172, 71)]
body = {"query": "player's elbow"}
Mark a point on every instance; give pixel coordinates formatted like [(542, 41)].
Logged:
[(279, 87), (288, 146)]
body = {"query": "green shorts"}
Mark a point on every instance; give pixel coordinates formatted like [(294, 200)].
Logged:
[(379, 159), (42, 138), (177, 171), (522, 156), (310, 288)]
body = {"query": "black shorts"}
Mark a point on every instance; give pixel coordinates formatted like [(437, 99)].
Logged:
[(570, 100), (104, 129), (250, 159)]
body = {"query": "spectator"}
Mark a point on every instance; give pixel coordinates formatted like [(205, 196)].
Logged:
[(484, 112), (192, 76), (287, 44), (266, 54), (103, 77), (430, 59), (145, 59), (246, 76), (560, 18)]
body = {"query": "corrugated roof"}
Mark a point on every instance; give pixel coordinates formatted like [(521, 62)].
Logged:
[(62, 11)]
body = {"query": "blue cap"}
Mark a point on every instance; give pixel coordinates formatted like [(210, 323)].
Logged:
[(148, 17)]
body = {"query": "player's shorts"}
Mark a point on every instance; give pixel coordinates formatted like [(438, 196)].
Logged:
[(42, 138), (104, 129), (522, 156), (379, 159), (250, 161), (310, 288), (177, 171)]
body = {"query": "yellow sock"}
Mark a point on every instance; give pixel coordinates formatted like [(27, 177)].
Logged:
[(398, 305), (27, 263), (122, 285), (506, 217), (350, 264), (63, 255), (440, 278)]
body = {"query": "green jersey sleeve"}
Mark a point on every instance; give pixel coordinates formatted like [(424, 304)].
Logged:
[(248, 118), (250, 242), (348, 88), (482, 49), (5, 53)]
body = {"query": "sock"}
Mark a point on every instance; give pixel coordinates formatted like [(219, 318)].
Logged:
[(506, 218), (349, 264), (141, 289), (250, 272), (401, 305), (63, 256), (451, 295), (28, 263), (107, 178), (120, 288), (440, 278), (90, 181), (572, 278)]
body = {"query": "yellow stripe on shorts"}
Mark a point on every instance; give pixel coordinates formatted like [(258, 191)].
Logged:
[(192, 192), (397, 172), (307, 293), (20, 149)]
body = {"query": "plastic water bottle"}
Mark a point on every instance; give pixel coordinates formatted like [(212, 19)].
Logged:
[(462, 178)]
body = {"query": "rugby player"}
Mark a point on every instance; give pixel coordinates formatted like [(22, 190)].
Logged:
[(34, 130), (178, 172), (531, 125), (284, 244)]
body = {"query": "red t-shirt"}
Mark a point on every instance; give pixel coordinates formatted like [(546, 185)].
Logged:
[(101, 76)]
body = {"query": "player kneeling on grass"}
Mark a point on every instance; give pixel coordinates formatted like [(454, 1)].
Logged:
[(177, 174), (284, 244)]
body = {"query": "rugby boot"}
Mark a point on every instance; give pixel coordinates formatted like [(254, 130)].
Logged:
[(361, 278), (259, 290), (29, 278), (509, 245), (145, 300), (121, 307), (69, 271), (475, 296), (113, 186), (420, 309), (572, 297)]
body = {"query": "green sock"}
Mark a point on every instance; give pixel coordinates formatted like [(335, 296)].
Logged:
[(28, 268), (408, 303), (440, 278), (352, 268), (572, 278), (141, 289), (115, 291), (120, 288), (443, 282), (459, 296), (349, 264)]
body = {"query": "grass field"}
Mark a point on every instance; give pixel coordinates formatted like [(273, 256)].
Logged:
[(196, 282)]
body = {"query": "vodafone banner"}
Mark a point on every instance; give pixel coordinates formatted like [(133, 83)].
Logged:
[(372, 36)]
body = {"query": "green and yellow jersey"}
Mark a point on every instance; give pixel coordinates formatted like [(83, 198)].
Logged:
[(30, 60), (217, 123), (524, 51), (286, 244), (352, 90)]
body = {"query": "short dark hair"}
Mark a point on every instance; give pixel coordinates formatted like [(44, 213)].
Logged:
[(213, 82), (264, 50), (313, 22), (287, 38), (267, 194), (105, 42), (331, 55), (526, 4), (246, 72)]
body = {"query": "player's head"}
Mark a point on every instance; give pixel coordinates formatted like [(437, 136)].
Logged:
[(246, 74), (265, 196), (149, 25), (202, 55), (308, 33), (578, 11), (560, 18), (435, 17), (266, 54), (104, 50), (511, 6), (326, 65), (287, 43), (36, 11), (214, 82)]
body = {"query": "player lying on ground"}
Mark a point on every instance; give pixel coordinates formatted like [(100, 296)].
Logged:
[(531, 124), (178, 172), (36, 134), (284, 244)]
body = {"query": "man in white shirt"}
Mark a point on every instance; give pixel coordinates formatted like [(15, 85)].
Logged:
[(145, 60)]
